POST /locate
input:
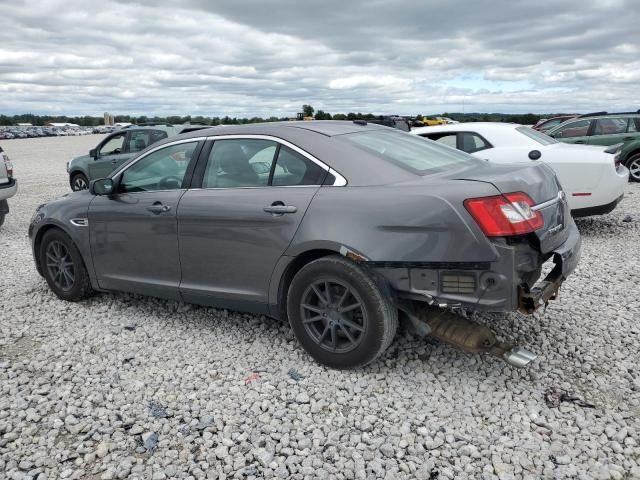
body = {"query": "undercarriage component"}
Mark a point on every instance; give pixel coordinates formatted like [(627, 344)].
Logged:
[(470, 336)]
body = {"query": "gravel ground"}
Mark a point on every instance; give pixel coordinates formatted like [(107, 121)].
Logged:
[(129, 387)]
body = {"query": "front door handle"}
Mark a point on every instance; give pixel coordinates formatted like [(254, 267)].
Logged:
[(580, 141), (280, 209), (628, 139), (114, 161), (157, 208)]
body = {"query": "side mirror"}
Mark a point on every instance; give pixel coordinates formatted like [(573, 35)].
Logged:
[(93, 153), (102, 186)]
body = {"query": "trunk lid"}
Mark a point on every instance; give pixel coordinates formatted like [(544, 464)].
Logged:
[(539, 182)]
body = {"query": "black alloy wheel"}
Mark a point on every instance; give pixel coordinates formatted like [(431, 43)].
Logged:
[(333, 315)]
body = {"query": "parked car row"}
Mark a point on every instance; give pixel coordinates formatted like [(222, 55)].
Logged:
[(8, 184), (604, 128), (8, 133), (381, 223), (116, 148), (593, 178), (336, 226)]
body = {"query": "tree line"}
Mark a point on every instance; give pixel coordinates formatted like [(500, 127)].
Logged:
[(307, 111)]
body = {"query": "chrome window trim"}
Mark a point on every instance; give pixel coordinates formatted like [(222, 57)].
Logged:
[(548, 203), (340, 181), (155, 149)]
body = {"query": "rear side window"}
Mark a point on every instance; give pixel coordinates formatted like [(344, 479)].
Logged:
[(609, 126), (472, 142), (294, 169), (409, 151), (139, 140), (574, 129), (634, 125)]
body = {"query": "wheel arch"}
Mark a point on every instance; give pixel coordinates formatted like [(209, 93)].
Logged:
[(279, 307), (37, 242), (76, 171)]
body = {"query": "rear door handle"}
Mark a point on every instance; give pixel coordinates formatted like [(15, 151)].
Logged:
[(280, 209), (627, 139), (157, 208), (580, 141)]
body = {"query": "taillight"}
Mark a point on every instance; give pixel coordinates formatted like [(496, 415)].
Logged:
[(505, 215)]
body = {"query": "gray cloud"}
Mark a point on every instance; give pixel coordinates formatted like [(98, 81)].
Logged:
[(262, 58)]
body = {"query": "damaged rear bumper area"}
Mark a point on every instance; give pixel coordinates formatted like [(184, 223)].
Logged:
[(504, 285)]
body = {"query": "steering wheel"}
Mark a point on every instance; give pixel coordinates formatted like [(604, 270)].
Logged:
[(169, 183)]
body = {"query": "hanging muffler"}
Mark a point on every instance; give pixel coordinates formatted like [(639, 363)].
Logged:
[(467, 335)]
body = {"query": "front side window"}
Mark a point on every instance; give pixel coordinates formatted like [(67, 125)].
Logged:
[(409, 151), (163, 169), (574, 129), (610, 126), (295, 169), (242, 162), (114, 145), (634, 125)]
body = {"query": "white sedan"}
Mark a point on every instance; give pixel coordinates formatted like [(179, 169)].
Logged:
[(592, 178)]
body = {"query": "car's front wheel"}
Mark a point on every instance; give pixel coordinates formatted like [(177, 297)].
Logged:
[(340, 314), (2, 215), (79, 181), (63, 267), (633, 164)]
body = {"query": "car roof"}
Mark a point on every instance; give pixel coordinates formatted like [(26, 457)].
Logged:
[(328, 128)]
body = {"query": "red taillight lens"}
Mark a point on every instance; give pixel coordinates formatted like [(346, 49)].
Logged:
[(505, 215)]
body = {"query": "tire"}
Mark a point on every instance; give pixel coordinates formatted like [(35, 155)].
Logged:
[(58, 252), (79, 181), (2, 215), (633, 164), (335, 333)]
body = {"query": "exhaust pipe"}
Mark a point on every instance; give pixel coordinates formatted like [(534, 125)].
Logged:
[(470, 336), (519, 357)]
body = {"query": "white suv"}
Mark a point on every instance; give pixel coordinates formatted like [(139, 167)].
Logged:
[(8, 184)]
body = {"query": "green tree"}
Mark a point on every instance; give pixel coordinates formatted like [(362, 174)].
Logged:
[(307, 110)]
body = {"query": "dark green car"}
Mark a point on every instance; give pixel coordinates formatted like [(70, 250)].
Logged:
[(117, 148), (606, 129)]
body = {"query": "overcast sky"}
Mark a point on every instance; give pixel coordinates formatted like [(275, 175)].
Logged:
[(245, 58)]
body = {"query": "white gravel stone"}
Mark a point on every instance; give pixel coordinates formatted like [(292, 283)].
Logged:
[(76, 386)]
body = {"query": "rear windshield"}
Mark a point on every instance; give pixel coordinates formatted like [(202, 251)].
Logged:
[(416, 154), (539, 137)]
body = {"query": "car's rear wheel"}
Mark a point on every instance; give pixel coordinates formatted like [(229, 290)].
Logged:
[(63, 267), (340, 314), (79, 181), (633, 164), (2, 215)]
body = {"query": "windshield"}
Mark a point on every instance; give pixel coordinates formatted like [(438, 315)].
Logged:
[(411, 152), (539, 137)]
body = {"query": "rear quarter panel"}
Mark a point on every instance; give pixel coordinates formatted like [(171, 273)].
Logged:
[(418, 223)]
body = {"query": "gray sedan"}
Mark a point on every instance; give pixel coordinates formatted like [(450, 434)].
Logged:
[(335, 226)]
